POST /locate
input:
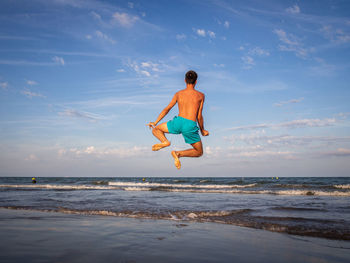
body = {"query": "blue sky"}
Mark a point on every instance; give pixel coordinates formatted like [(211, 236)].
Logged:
[(79, 80)]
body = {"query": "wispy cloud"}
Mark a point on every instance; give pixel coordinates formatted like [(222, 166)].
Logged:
[(31, 94), (103, 36), (58, 60), (26, 63), (131, 5), (293, 10), (290, 43), (340, 152), (81, 115), (146, 68), (95, 15), (180, 36), (31, 82), (211, 34), (258, 51), (290, 124), (226, 24), (249, 59), (281, 103), (124, 19), (100, 152), (285, 140), (4, 85), (248, 62), (335, 35)]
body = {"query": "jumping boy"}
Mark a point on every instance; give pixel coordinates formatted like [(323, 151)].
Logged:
[(190, 103)]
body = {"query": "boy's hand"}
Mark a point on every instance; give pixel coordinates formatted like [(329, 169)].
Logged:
[(205, 133), (151, 125)]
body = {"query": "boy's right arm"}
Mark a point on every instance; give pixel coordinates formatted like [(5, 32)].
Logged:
[(164, 112)]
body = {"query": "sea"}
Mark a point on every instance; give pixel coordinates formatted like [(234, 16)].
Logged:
[(303, 206)]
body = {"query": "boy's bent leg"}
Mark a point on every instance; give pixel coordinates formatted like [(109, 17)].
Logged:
[(158, 132), (197, 151)]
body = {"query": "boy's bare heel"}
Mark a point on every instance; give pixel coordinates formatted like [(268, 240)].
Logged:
[(176, 160)]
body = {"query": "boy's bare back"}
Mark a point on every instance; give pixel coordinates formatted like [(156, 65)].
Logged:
[(189, 103)]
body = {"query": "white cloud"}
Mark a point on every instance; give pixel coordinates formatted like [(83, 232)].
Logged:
[(88, 37), (121, 70), (219, 65), (336, 35), (212, 151), (101, 35), (145, 72), (146, 68), (290, 43), (248, 62), (342, 152), (58, 60), (280, 104), (289, 40), (201, 32), (290, 124), (180, 36), (293, 10), (4, 85), (227, 24), (31, 94), (131, 5), (31, 82), (95, 15), (125, 19), (81, 115), (258, 51), (32, 157), (211, 34), (121, 152)]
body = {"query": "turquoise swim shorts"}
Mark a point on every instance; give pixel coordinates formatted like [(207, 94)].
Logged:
[(186, 127)]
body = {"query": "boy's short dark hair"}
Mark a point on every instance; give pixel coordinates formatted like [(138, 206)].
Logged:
[(191, 77)]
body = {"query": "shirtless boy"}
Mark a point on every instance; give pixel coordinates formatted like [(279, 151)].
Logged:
[(190, 103)]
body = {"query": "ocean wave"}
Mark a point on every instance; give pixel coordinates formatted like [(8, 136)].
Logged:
[(332, 229), (147, 184), (342, 186), (58, 187), (287, 208), (216, 191)]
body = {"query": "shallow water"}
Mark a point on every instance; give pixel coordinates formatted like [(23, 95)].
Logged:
[(303, 206)]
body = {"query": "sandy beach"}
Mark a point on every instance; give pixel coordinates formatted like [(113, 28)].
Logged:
[(32, 236)]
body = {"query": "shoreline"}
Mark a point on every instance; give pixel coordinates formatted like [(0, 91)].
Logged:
[(33, 236)]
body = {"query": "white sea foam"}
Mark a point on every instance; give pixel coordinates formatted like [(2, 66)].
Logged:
[(342, 186), (58, 187), (147, 184), (236, 191)]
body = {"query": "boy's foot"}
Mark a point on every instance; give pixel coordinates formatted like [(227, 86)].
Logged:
[(159, 146), (176, 160)]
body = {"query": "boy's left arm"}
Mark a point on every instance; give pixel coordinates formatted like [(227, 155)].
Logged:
[(164, 112), (200, 119)]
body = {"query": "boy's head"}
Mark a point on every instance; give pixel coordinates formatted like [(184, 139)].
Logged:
[(191, 77)]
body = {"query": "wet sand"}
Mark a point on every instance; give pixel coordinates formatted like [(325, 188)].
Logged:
[(31, 236)]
